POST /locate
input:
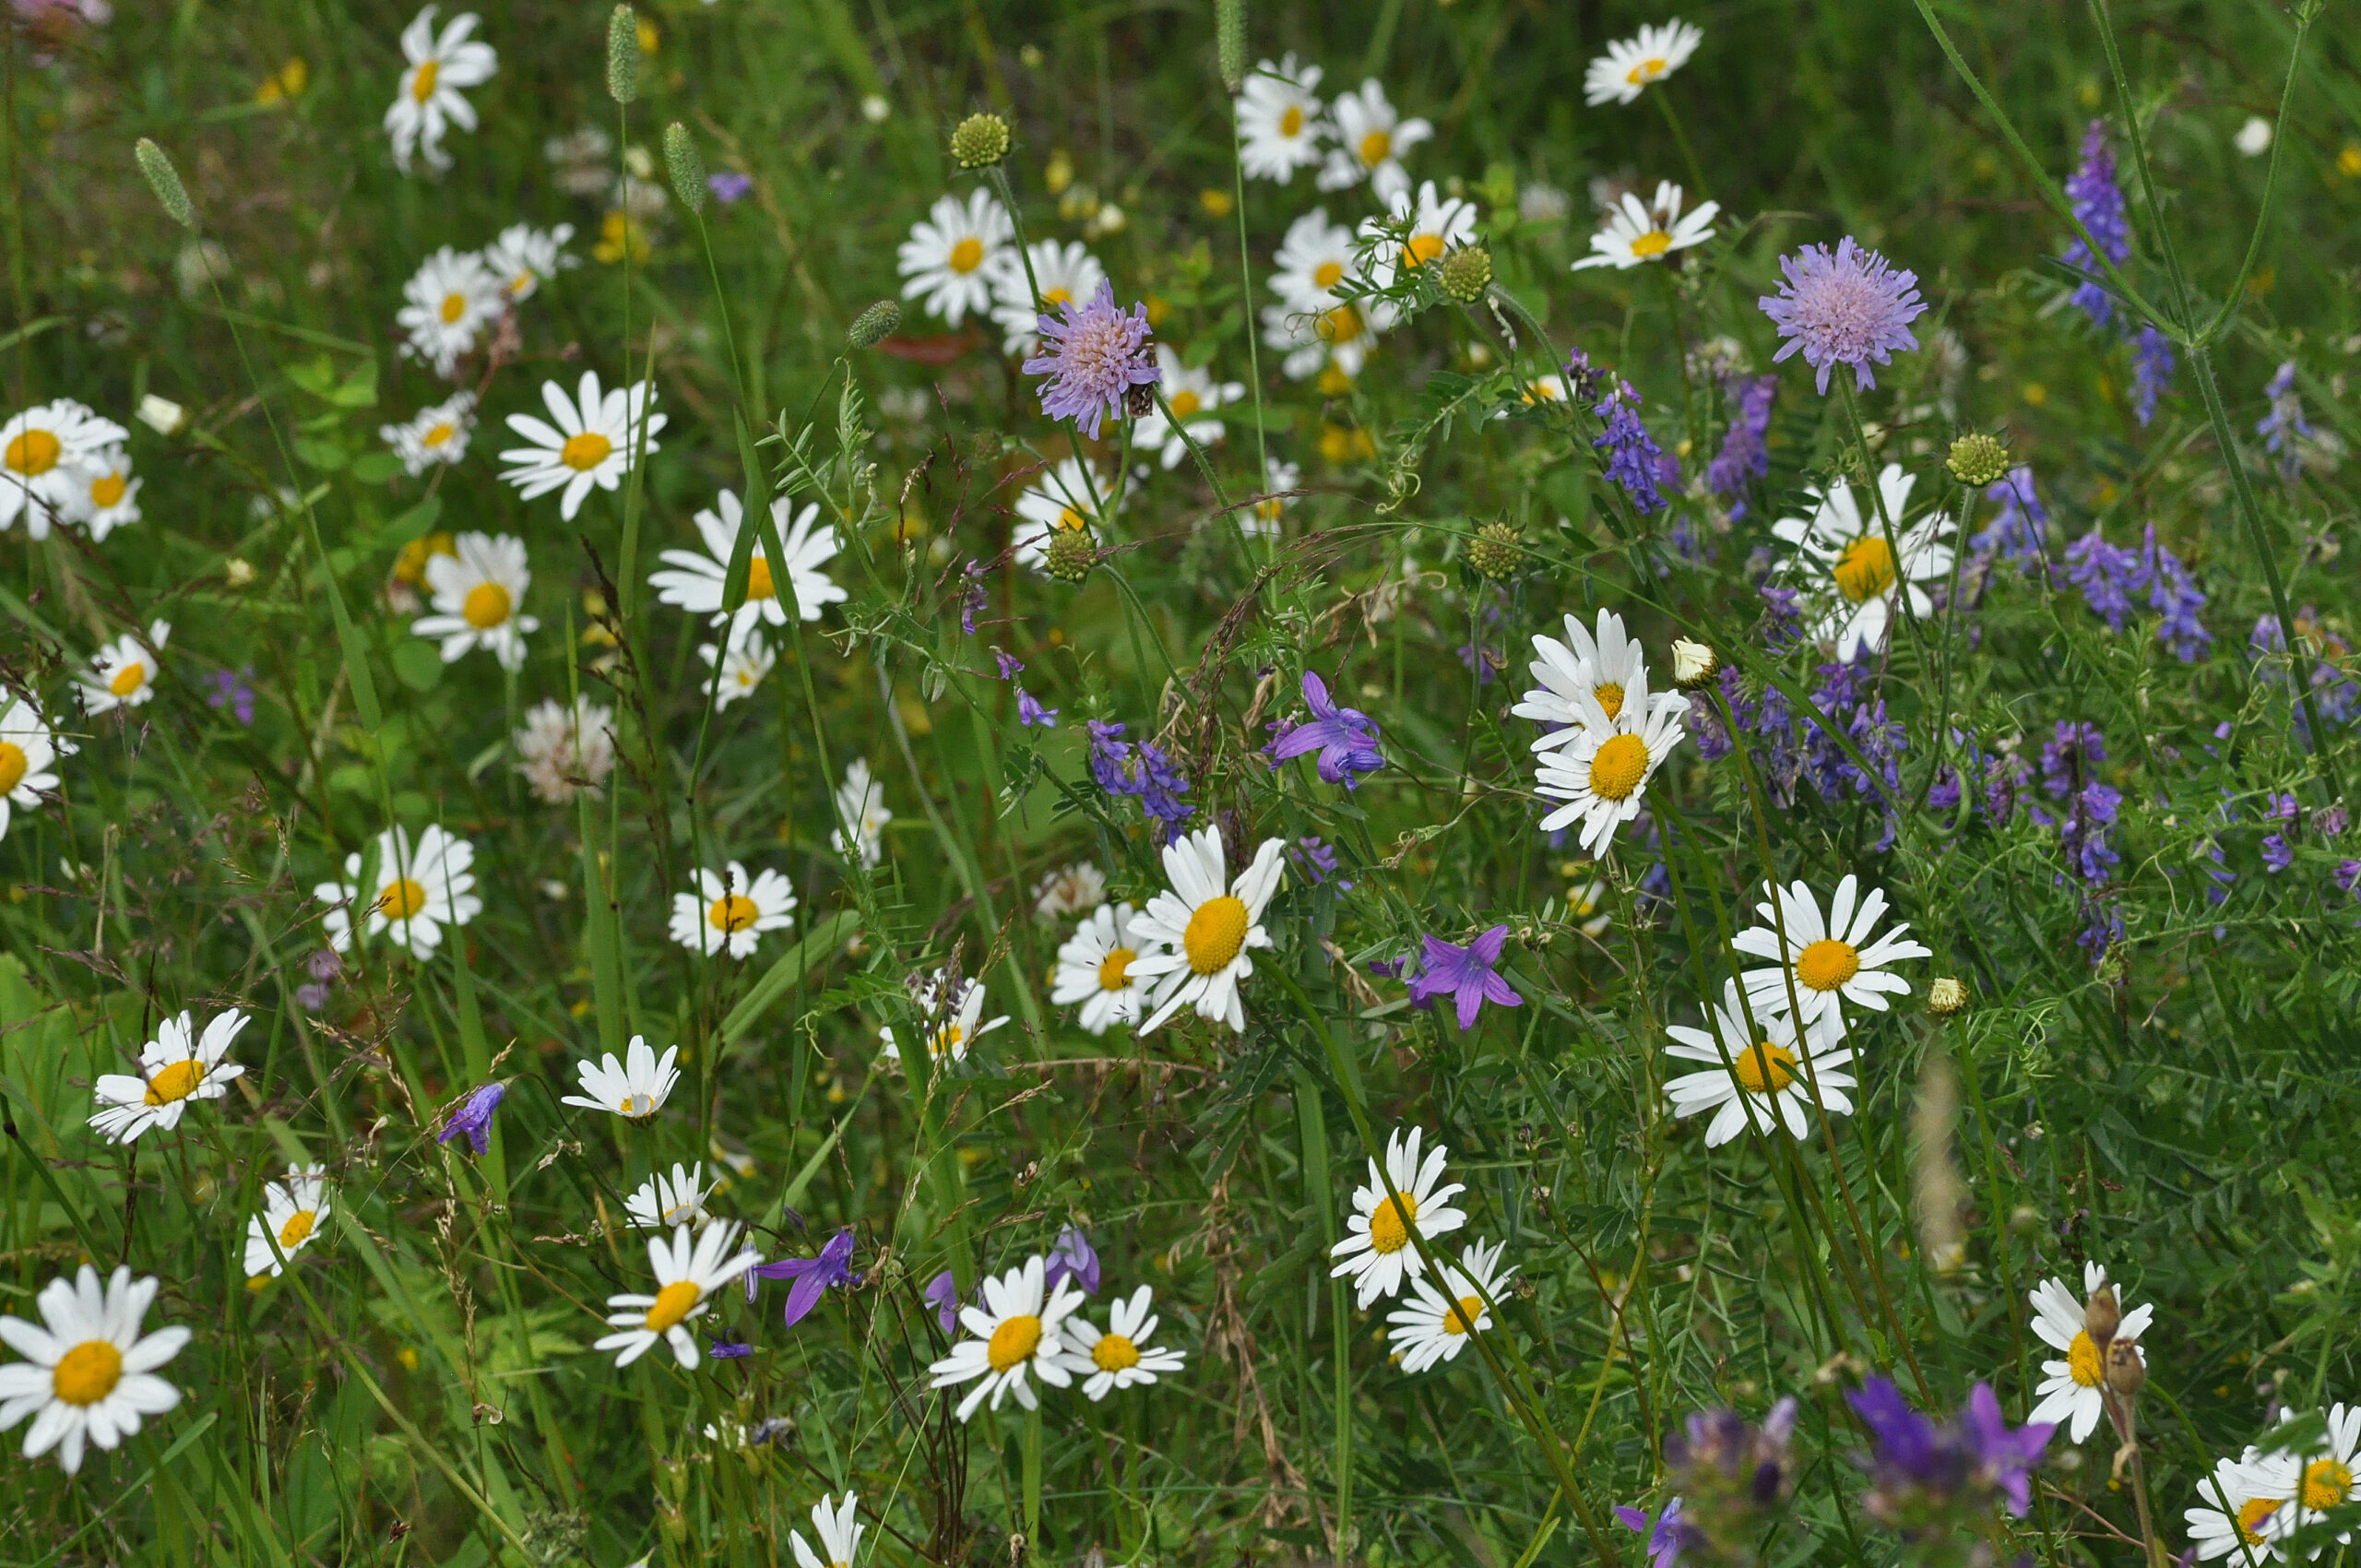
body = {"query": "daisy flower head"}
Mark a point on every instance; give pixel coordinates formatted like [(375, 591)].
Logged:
[(729, 912), (29, 750), (1066, 272), (1846, 562), (862, 814), (1280, 120), (2073, 1392), (1331, 343), (449, 300), (177, 1066), (524, 258), (1095, 969), (2237, 1511), (953, 254), (291, 1212), (1602, 669), (671, 1198), (563, 752), (839, 1529), (1640, 232), (1372, 137), (1120, 1358), (1378, 1255), (689, 1269), (1426, 226), (1191, 392), (429, 103), (1829, 961), (89, 1375), (1280, 476), (110, 493), (1315, 255), (743, 667), (42, 452), (1768, 1084), (592, 443), (1198, 939), (1602, 773), (2314, 1479), (1091, 360), (420, 889), (476, 592), (1436, 1324), (694, 582), (1848, 307), (1015, 1337), (634, 1087), (123, 672), (1076, 890), (436, 434), (951, 1018), (1631, 64), (1063, 499)]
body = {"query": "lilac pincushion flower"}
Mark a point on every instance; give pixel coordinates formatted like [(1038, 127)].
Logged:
[(1344, 737), (1092, 359), (472, 1119), (1072, 1257), (1848, 307), (1465, 974), (2098, 207), (812, 1276)]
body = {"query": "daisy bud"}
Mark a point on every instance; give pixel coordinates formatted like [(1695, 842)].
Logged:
[(1693, 664), (1497, 551), (686, 166), (623, 54), (2101, 1315), (1977, 459), (162, 415), (1071, 555), (238, 572), (166, 181), (2126, 1374), (1947, 996), (874, 325), (1229, 43), (980, 141), (1467, 273)]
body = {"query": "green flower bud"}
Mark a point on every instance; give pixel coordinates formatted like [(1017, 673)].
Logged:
[(1977, 459), (1071, 555), (1467, 273), (1497, 551), (1230, 42)]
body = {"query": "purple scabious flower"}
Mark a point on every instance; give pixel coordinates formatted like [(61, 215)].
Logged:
[(812, 1276), (1745, 454), (2284, 425), (1667, 1533), (728, 186), (472, 1118), (1092, 359), (1465, 974), (1029, 711), (2104, 573), (2152, 372), (2174, 595), (1344, 737), (1631, 452), (2098, 204), (1071, 1257), (2019, 530), (1848, 307), (2070, 758)]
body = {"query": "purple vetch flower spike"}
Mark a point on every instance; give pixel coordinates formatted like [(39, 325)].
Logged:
[(942, 1295), (729, 1351), (1745, 454), (231, 692), (1092, 359), (1318, 860), (1160, 788), (2098, 206), (1110, 758), (972, 597), (2070, 758), (2174, 595), (1028, 711), (1010, 666), (1072, 1257), (1466, 974), (813, 1276), (472, 1119), (1344, 737), (2104, 573), (2152, 372), (1632, 456), (1847, 307), (2019, 531), (2284, 426), (728, 186), (2003, 1457)]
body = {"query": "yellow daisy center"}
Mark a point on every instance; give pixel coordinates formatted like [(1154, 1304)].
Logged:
[(1114, 1353), (944, 1040), (1291, 121), (1461, 1318), (438, 435), (421, 85), (1057, 295), (88, 1372), (107, 488), (2083, 1362), (584, 452), (1610, 697), (968, 255), (1376, 148), (410, 564), (1828, 964), (1070, 519), (1328, 274), (1389, 1223), (486, 605), (128, 679), (638, 1105), (1341, 325), (1215, 933), (1422, 248), (758, 579), (35, 452), (1014, 1341), (13, 768), (177, 1081), (1765, 1068), (1115, 969), (1617, 767), (1645, 71), (672, 1303), (401, 898), (1655, 243), (297, 1231), (1184, 403), (2252, 1515), (2326, 1481), (1865, 568), (455, 305), (731, 913)]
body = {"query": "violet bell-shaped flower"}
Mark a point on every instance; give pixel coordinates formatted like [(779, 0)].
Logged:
[(812, 1276), (1344, 737)]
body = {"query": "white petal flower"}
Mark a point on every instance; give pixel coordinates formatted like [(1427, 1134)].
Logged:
[(429, 101), (177, 1066), (695, 582), (729, 910), (1602, 772), (1191, 392), (1768, 1083), (666, 1200), (1437, 1324), (1638, 232), (564, 751), (1844, 563), (1197, 941), (743, 667), (862, 815), (1377, 1254), (524, 258), (477, 596), (450, 299), (954, 253), (1078, 889), (89, 1375), (591, 444), (436, 434), (1016, 1337), (29, 751), (1120, 1358), (1631, 64), (123, 672), (1068, 274), (1372, 137), (2073, 1392), (951, 1020), (1281, 120), (688, 1271), (1831, 961), (42, 452), (1434, 225), (418, 891), (110, 493), (634, 1088), (290, 1214), (1600, 671), (1095, 969), (839, 1529), (1066, 497)]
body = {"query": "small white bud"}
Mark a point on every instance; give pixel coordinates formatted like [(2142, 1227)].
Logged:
[(162, 415), (1693, 664)]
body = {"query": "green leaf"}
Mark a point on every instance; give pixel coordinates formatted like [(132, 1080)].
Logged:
[(417, 663), (412, 524), (376, 468), (325, 456), (786, 971)]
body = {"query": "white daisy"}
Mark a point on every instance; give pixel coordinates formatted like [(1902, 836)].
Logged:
[(1191, 392), (1095, 969), (1586, 903), (1120, 1358), (1846, 562), (1601, 669), (562, 753), (1773, 1082), (477, 593), (1332, 343), (436, 434), (839, 1530), (687, 1273), (1315, 255), (420, 891), (591, 444), (1638, 232), (1833, 961), (429, 101), (950, 1024), (726, 911), (665, 1200), (2235, 1511), (523, 258), (1377, 1254), (123, 672), (743, 668), (1435, 1326), (110, 493), (451, 298), (1435, 223), (90, 1373), (1279, 476), (1067, 273), (1372, 137), (177, 1066), (634, 1089), (292, 1213), (1062, 498), (954, 253), (862, 814), (1630, 64), (2313, 1480), (2073, 1392), (1196, 942), (694, 583), (1078, 889), (1279, 120), (1018, 1331), (27, 751), (1602, 772), (42, 453)]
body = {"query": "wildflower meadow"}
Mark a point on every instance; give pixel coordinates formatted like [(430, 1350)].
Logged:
[(1447, 783)]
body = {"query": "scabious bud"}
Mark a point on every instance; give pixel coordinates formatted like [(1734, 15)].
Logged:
[(874, 325), (980, 141), (1467, 273), (2101, 1315), (623, 54), (1229, 43), (1497, 551), (1693, 664), (1071, 555), (686, 167), (166, 181), (1947, 996), (1977, 459)]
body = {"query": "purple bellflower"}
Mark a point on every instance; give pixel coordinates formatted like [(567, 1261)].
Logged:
[(472, 1118), (1344, 737), (1466, 974), (1667, 1533), (1071, 1257), (812, 1276), (942, 1295)]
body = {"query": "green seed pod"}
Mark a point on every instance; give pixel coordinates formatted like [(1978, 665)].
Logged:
[(623, 54), (685, 165), (1977, 459), (1229, 43), (166, 181), (1071, 555), (1497, 551), (874, 325), (980, 141), (1467, 273)]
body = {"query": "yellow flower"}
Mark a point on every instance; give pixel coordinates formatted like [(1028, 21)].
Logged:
[(283, 84), (617, 232)]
